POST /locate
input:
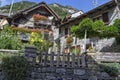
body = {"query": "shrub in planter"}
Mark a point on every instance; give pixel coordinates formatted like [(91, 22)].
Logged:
[(69, 40), (15, 67)]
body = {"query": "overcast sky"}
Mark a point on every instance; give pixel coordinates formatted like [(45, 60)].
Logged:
[(84, 5)]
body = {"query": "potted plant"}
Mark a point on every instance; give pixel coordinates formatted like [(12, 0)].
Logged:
[(69, 40)]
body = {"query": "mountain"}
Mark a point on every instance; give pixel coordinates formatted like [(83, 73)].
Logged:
[(59, 9), (62, 11), (17, 6)]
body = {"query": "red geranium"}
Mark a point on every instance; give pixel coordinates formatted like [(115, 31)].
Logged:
[(38, 17)]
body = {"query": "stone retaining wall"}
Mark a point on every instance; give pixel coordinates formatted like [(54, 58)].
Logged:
[(38, 71), (42, 71), (53, 73)]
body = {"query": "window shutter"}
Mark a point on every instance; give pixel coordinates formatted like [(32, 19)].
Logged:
[(66, 31)]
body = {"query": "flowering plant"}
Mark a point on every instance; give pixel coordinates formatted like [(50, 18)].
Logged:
[(35, 37), (38, 17), (37, 41)]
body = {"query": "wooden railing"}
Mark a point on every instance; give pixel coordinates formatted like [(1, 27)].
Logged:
[(56, 59)]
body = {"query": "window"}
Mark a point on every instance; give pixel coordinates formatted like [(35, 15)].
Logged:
[(105, 18)]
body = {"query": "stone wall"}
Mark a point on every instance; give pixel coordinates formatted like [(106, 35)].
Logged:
[(54, 73), (43, 71), (38, 71)]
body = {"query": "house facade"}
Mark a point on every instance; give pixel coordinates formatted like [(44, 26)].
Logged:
[(107, 12), (60, 30), (38, 17)]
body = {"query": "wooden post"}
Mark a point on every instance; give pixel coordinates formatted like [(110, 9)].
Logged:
[(52, 59), (83, 59), (58, 59), (63, 59), (46, 56), (78, 60), (68, 60), (73, 60), (40, 58)]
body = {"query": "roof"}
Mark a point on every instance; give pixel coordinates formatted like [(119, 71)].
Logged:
[(73, 15), (42, 4), (108, 4)]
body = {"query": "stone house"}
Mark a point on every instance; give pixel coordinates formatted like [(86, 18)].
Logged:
[(25, 19), (107, 12)]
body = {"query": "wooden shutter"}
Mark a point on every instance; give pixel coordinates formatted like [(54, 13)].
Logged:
[(66, 31), (105, 18)]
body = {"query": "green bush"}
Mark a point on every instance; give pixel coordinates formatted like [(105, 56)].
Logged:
[(113, 69), (10, 43), (15, 67)]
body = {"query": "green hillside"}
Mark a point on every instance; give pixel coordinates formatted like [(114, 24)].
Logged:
[(18, 6), (59, 9)]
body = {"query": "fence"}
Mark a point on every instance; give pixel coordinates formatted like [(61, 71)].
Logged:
[(55, 59)]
